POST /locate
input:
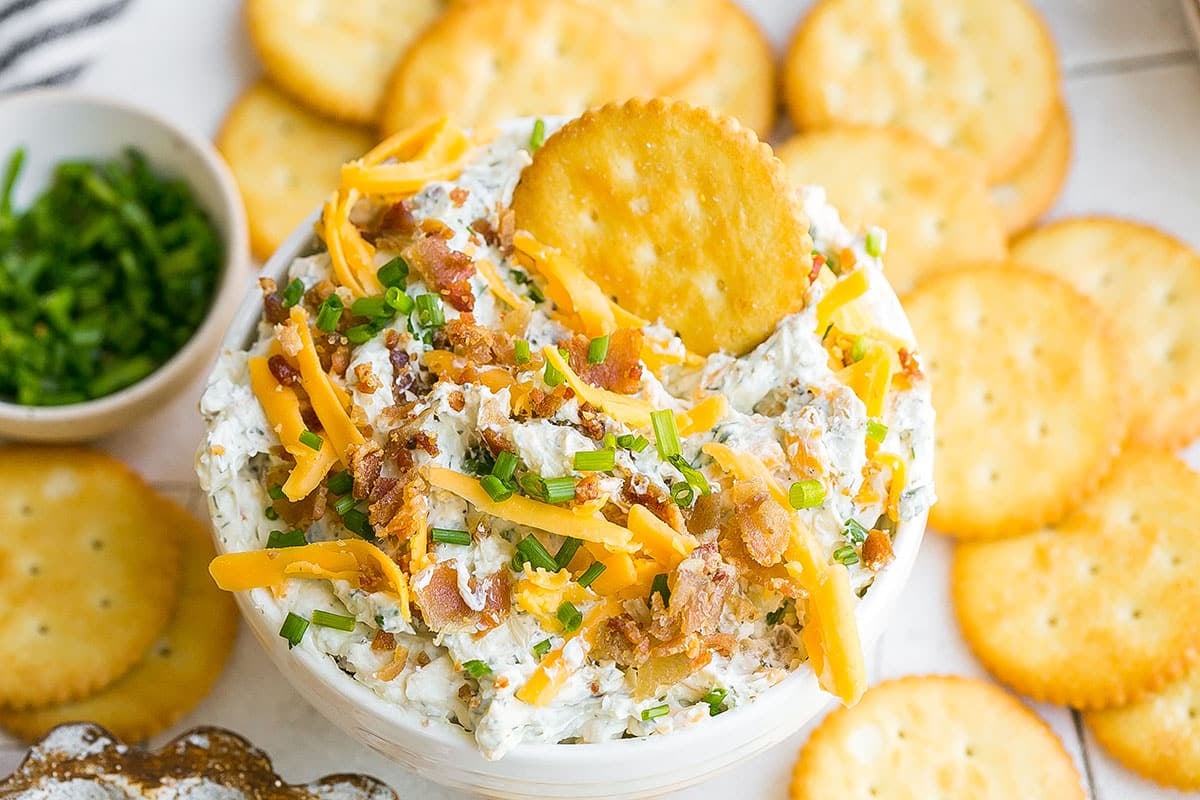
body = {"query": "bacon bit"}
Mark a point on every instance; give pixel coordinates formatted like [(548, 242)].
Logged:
[(622, 640), (393, 669), (365, 380), (366, 462), (591, 422), (702, 582), (465, 693), (334, 352), (383, 641), (445, 611), (427, 442), (318, 293), (456, 400), (847, 260), (818, 262), (397, 219), (458, 196), (484, 228), (723, 643), (594, 688), (759, 522), (289, 339), (508, 229), (399, 506), (621, 370), (402, 376), (638, 490), (304, 513), (446, 270), (273, 309), (877, 550), (539, 404), (587, 488), (282, 371), (500, 683), (908, 363), (495, 441), (705, 519), (479, 345), (436, 228), (422, 659)]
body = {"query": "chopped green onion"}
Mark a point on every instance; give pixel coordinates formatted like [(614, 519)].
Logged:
[(876, 430), (429, 311), (358, 522), (450, 536), (397, 300), (344, 504), (715, 699), (690, 474), (535, 294), (635, 442), (335, 621), (551, 375), (846, 554), (776, 616), (340, 482), (566, 551), (683, 494), (854, 531), (538, 137), (310, 439), (653, 713), (521, 352), (666, 435), (598, 349), (270, 513), (806, 494), (497, 489), (293, 629), (393, 273), (535, 553), (609, 442), (478, 461), (292, 538), (595, 460), (329, 313), (591, 573), (293, 293), (476, 668), (370, 307), (506, 464), (559, 490), (276, 492), (360, 334), (541, 648), (876, 242), (835, 266), (570, 616), (858, 350), (517, 564), (532, 485), (660, 586)]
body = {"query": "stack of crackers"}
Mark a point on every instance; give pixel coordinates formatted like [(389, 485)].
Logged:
[(109, 614), (340, 75)]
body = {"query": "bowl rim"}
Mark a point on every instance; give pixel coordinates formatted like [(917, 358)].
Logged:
[(233, 264), (872, 613)]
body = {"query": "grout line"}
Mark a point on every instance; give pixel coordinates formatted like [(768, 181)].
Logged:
[(1077, 718), (1117, 66)]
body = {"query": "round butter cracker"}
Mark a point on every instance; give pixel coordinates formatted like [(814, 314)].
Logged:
[(974, 75), (88, 573), (1101, 609), (932, 202), (935, 736), (1029, 192), (674, 35), (676, 213), (1148, 284), (1027, 386)]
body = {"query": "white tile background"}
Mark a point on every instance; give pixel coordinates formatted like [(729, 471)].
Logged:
[(1132, 82)]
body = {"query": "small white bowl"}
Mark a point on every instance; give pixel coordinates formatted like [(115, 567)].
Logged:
[(55, 126), (624, 769)]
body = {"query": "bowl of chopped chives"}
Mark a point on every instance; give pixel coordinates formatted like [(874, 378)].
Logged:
[(123, 253)]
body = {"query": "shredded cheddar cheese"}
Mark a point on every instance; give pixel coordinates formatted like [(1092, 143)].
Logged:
[(322, 392), (871, 378), (703, 416), (548, 679), (282, 408), (352, 256), (433, 151), (496, 285), (844, 291), (540, 593), (896, 464), (659, 540)]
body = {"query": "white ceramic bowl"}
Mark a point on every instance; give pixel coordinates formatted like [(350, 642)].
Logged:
[(626, 768), (55, 126)]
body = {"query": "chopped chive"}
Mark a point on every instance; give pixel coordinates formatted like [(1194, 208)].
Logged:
[(846, 554), (393, 273), (666, 435), (776, 616), (476, 668), (270, 513), (559, 490), (310, 439), (660, 586), (570, 616), (450, 536), (653, 713), (292, 538), (497, 489), (566, 551), (344, 504), (876, 430), (683, 494), (876, 242), (506, 464), (635, 442), (609, 442), (858, 350), (358, 522), (536, 554), (854, 531), (541, 648), (293, 629), (806, 494), (336, 621), (517, 564), (521, 352), (340, 482), (293, 293), (551, 375), (360, 334), (835, 266), (532, 485), (715, 700), (535, 294), (598, 349), (370, 307), (329, 313), (429, 311), (397, 300), (276, 492), (690, 474), (595, 460), (538, 137), (591, 574)]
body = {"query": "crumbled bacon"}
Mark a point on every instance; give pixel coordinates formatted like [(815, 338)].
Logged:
[(459, 195), (288, 338), (639, 490), (540, 404), (484, 228), (445, 611), (397, 219), (383, 641), (431, 226), (427, 442), (283, 371), (702, 582), (495, 441), (508, 229), (591, 421), (318, 293), (818, 262), (587, 488), (877, 550), (273, 309), (456, 400), (622, 640), (423, 659), (479, 345), (446, 270), (908, 363), (366, 462), (758, 521), (302, 513), (705, 519), (403, 375), (365, 380), (334, 352), (621, 370), (394, 667)]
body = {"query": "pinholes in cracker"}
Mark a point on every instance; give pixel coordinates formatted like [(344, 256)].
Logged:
[(976, 75), (1101, 609), (335, 56), (935, 736), (285, 159), (1148, 283), (88, 573), (1026, 383), (490, 60), (678, 214), (932, 202), (176, 672), (1029, 191)]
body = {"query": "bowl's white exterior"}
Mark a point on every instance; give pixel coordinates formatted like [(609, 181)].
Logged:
[(57, 125), (627, 768)]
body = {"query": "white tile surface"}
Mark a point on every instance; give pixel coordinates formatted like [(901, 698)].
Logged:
[(1134, 92)]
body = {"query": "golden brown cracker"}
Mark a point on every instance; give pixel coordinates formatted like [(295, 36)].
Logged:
[(935, 736), (285, 159), (932, 202), (88, 573), (176, 672), (490, 60), (1101, 609), (1157, 737), (678, 214), (335, 56), (1026, 383), (974, 75), (673, 35), (1148, 283), (1031, 189)]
